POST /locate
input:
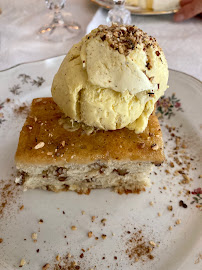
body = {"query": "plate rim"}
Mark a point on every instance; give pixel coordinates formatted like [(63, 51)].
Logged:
[(56, 60), (136, 10)]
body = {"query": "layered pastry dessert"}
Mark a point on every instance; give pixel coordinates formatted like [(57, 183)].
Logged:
[(99, 130), (132, 2), (158, 5)]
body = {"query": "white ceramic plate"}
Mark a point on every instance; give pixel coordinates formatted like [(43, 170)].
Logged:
[(133, 9), (179, 248)]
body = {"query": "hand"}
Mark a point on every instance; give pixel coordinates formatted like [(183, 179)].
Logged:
[(189, 9)]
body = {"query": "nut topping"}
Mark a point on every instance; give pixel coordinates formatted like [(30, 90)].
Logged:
[(125, 38), (39, 145)]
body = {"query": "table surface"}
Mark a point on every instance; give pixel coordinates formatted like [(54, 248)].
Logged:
[(20, 20)]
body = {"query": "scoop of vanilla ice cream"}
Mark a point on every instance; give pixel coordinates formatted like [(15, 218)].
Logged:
[(112, 79)]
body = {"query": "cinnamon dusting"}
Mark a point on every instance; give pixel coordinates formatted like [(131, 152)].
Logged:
[(138, 248), (22, 109), (9, 192)]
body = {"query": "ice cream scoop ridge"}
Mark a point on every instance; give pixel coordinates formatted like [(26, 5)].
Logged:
[(112, 79)]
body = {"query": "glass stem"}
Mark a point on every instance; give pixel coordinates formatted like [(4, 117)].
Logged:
[(119, 3), (58, 19)]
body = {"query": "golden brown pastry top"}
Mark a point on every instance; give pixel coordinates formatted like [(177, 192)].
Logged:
[(44, 142)]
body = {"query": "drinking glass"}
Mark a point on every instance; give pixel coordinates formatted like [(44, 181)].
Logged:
[(60, 28), (119, 14)]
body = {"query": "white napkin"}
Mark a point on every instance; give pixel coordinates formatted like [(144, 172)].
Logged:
[(181, 42)]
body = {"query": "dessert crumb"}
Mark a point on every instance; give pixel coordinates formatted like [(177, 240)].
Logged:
[(74, 228), (178, 221), (104, 236), (103, 220), (186, 179), (170, 228), (152, 243), (172, 165), (170, 208), (22, 263), (90, 234), (40, 221), (34, 237), (21, 207), (69, 255), (58, 258), (182, 204), (93, 218), (46, 266)]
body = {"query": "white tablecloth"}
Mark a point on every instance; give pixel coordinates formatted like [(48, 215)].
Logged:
[(20, 19), (181, 42), (19, 22)]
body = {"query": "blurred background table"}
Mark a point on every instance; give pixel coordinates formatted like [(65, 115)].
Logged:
[(20, 20)]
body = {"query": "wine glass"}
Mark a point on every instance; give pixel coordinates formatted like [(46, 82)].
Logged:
[(59, 28), (119, 14)]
